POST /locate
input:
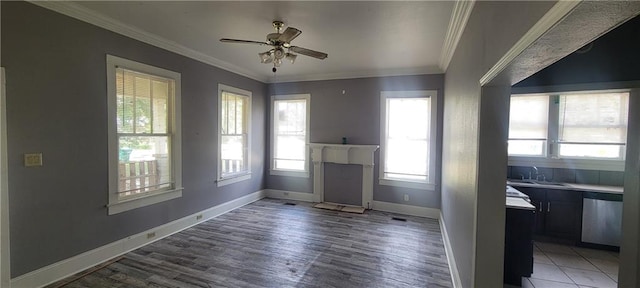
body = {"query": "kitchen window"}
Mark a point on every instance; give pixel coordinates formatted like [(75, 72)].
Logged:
[(144, 134), (581, 126), (290, 135), (593, 125), (528, 121), (408, 120), (234, 131)]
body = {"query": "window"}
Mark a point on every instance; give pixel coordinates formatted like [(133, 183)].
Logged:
[(290, 126), (144, 134), (528, 125), (408, 124), (593, 125), (234, 135), (580, 126)]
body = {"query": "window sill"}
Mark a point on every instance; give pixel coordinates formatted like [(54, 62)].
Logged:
[(134, 203), (288, 173), (408, 184), (236, 179)]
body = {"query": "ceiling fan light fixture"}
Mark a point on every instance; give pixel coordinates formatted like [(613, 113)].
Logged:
[(291, 57), (280, 41), (265, 57)]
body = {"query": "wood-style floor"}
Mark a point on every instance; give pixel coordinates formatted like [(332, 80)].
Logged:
[(270, 243)]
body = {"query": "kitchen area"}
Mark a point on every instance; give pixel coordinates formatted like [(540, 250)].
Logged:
[(563, 227)]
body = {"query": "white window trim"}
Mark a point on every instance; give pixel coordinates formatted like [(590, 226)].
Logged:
[(117, 205), (284, 172), (429, 184), (551, 159), (240, 176)]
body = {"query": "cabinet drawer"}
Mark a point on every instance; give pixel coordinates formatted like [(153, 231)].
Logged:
[(564, 196)]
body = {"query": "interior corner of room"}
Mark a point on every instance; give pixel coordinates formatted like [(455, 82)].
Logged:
[(128, 133)]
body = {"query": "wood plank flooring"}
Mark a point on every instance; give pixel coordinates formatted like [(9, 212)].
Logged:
[(271, 244)]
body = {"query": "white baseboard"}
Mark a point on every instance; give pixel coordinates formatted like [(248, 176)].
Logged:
[(406, 209), (289, 195), (453, 268), (70, 266)]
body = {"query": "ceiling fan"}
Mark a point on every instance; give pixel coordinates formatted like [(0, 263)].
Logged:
[(280, 41)]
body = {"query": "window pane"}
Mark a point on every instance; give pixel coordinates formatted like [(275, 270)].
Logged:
[(290, 164), (600, 118), (290, 126), (233, 130), (144, 164), (527, 147), (142, 102), (407, 117), (290, 147), (591, 150), (240, 115), (232, 154), (160, 106), (124, 102), (528, 117), (408, 157), (407, 144)]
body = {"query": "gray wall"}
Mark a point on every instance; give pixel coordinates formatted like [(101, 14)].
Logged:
[(56, 104), (472, 122), (356, 115)]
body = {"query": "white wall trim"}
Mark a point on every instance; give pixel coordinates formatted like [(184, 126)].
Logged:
[(76, 11), (357, 74), (453, 268), (432, 213), (64, 268), (457, 23), (5, 262), (377, 205), (550, 19), (289, 195)]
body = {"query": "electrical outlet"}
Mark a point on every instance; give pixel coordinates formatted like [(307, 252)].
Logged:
[(199, 216), (151, 235), (406, 197), (33, 159)]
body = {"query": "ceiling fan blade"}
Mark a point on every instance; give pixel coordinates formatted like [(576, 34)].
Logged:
[(289, 34), (308, 52), (227, 40)]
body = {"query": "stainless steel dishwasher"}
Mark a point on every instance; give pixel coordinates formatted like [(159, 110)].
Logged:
[(601, 218)]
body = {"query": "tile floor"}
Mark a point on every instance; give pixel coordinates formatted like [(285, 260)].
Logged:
[(560, 266)]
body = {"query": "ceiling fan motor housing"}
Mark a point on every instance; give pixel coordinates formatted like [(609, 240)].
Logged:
[(278, 52)]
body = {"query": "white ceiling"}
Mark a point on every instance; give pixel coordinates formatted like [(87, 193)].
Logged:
[(362, 38)]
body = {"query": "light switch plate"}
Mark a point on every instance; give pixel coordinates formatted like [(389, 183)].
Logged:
[(33, 159)]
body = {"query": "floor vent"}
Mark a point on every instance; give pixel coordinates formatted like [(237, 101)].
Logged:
[(289, 203), (399, 219)]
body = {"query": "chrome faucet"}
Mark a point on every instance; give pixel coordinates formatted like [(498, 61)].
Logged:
[(534, 168)]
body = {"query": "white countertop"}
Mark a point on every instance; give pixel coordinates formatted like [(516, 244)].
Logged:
[(572, 186), (519, 203)]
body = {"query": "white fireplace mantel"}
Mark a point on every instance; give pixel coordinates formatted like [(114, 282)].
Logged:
[(343, 154)]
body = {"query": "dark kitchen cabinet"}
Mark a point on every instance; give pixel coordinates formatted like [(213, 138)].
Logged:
[(558, 213), (518, 245)]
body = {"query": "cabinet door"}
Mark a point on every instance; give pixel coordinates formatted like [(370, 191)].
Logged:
[(563, 214), (538, 199)]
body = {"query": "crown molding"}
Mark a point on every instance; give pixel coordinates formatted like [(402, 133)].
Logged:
[(459, 17), (357, 74), (550, 19), (86, 15)]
